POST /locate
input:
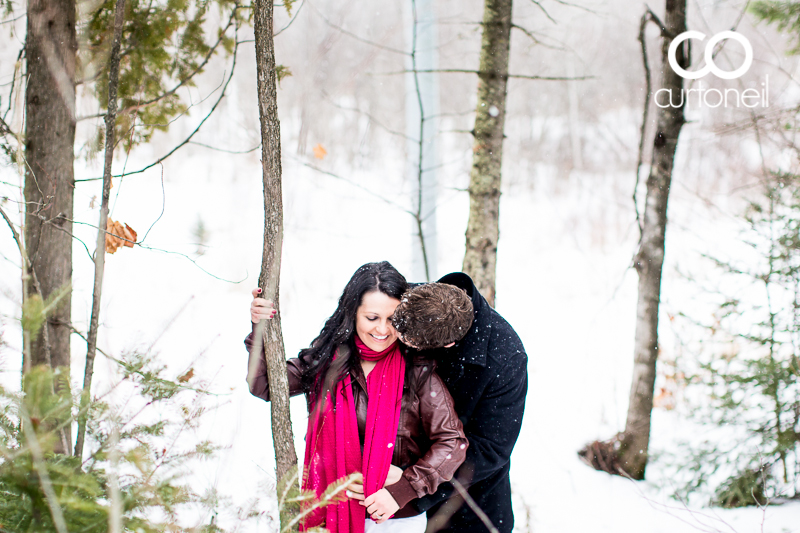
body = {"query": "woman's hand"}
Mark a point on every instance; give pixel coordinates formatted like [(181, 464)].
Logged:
[(380, 506), (355, 491), (261, 309)]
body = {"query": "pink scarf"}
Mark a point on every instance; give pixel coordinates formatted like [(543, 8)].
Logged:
[(333, 448)]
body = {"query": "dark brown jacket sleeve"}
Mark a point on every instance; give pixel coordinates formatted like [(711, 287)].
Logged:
[(448, 443), (258, 381)]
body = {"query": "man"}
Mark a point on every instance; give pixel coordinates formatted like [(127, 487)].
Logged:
[(486, 373)]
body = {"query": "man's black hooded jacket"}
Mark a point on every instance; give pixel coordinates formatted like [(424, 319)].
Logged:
[(487, 375)]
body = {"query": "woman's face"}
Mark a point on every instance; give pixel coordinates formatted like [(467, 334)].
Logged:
[(374, 320)]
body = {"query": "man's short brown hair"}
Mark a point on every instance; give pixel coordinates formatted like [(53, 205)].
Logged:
[(433, 315)]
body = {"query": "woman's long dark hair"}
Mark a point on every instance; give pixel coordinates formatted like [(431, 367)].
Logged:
[(339, 330)]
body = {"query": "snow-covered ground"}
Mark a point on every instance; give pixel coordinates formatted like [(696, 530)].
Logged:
[(563, 283)]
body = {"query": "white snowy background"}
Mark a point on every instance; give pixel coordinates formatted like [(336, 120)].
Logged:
[(563, 276)]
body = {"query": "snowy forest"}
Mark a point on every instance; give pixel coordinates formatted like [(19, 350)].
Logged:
[(621, 179)]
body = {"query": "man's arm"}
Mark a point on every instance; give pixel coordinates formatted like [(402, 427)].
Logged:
[(492, 429)]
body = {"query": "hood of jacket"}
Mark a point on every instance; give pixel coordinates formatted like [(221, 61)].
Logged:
[(473, 347)]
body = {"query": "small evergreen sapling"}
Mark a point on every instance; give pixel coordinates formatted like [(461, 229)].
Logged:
[(747, 370)]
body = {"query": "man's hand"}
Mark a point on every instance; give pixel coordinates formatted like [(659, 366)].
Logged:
[(395, 473), (260, 308), (380, 506), (356, 490)]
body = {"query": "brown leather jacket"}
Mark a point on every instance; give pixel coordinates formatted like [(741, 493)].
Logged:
[(430, 443)]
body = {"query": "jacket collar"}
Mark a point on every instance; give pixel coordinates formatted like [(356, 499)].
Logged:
[(473, 347)]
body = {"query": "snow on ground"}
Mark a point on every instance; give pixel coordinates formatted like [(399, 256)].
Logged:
[(563, 283)]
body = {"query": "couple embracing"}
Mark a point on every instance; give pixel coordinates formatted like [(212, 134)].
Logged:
[(410, 386)]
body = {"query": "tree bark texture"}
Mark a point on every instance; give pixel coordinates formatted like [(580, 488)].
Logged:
[(483, 232), (51, 49), (269, 281), (649, 259), (100, 248)]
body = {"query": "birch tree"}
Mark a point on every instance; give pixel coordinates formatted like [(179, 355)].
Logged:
[(483, 229)]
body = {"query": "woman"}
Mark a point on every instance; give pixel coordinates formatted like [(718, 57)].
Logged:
[(373, 408)]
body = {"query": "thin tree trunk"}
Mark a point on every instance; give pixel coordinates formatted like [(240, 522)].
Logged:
[(480, 257), (649, 260), (269, 280), (100, 249), (51, 48)]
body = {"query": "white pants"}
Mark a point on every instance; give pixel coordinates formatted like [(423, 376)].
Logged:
[(412, 524)]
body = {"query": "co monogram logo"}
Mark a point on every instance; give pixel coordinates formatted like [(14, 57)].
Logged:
[(709, 55)]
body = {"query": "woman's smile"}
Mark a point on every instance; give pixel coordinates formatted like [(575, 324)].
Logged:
[(374, 320)]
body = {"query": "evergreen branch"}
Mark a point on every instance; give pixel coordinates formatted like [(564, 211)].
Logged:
[(189, 138), (182, 82), (140, 373), (330, 495), (44, 476)]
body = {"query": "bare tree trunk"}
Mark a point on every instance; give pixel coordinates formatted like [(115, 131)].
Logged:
[(480, 257), (51, 48), (269, 280), (100, 249), (627, 453), (649, 260)]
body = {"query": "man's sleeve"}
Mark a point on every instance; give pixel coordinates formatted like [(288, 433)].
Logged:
[(492, 430)]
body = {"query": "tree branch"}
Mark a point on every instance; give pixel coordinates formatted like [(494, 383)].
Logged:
[(354, 184), (354, 36), (189, 138), (100, 249), (217, 149), (13, 80), (296, 14), (646, 17), (182, 82), (546, 14), (483, 73)]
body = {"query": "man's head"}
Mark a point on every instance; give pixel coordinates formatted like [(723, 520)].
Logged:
[(433, 315)]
